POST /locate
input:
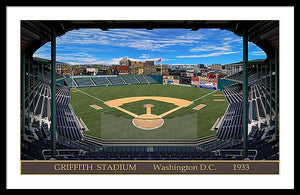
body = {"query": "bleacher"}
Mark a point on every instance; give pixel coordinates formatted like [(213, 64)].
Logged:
[(258, 104), (109, 80), (71, 145), (231, 125), (150, 79), (69, 82), (116, 80), (84, 81), (141, 79), (101, 81), (130, 80), (252, 76), (37, 122)]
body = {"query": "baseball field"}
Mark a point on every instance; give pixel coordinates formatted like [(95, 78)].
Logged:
[(150, 111)]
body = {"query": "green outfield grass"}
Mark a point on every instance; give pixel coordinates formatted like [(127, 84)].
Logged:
[(157, 109), (206, 117)]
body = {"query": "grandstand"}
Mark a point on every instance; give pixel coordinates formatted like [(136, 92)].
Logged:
[(100, 81), (109, 80), (51, 130)]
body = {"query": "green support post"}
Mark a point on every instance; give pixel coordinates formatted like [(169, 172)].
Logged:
[(245, 93), (23, 92), (266, 86), (256, 73), (28, 93), (53, 92), (276, 92), (270, 92), (33, 89), (38, 77), (261, 74)]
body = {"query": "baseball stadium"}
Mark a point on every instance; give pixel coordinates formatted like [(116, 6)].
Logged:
[(149, 116)]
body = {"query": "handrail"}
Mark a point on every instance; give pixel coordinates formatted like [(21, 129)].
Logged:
[(73, 143)]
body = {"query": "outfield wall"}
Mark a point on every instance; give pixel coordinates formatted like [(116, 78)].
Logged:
[(223, 82), (158, 78)]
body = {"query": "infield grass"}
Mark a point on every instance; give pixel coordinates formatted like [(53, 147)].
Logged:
[(206, 116)]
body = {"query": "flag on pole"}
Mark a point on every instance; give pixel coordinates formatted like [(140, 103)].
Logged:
[(160, 66)]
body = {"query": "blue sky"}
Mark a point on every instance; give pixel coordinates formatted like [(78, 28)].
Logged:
[(173, 46)]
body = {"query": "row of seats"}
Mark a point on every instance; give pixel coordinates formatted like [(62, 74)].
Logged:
[(37, 132), (264, 142), (252, 76), (109, 80), (66, 121), (258, 105)]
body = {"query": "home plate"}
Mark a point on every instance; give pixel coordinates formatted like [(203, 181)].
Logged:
[(148, 122)]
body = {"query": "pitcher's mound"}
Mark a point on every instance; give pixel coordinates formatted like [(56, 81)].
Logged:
[(148, 121)]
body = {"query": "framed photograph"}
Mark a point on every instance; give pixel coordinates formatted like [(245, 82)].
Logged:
[(152, 91)]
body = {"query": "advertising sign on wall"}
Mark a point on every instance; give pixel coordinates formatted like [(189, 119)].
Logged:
[(195, 81), (175, 81)]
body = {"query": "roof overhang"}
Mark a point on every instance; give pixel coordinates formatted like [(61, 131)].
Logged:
[(35, 33)]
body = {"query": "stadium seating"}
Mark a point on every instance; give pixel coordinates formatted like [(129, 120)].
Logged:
[(70, 82), (258, 104), (84, 81), (101, 81), (72, 145), (130, 80), (109, 80), (116, 80), (141, 79), (150, 79), (38, 122), (252, 76)]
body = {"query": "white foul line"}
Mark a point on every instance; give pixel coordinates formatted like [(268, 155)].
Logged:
[(204, 96), (89, 95)]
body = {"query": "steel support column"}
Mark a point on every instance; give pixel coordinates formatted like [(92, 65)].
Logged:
[(33, 89), (276, 92), (245, 93), (261, 74), (270, 92), (28, 92), (53, 92), (257, 74), (23, 92), (266, 66), (38, 77), (42, 71)]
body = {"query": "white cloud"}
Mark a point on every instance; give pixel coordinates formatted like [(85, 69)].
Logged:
[(207, 55), (196, 36), (258, 53), (229, 40), (210, 48), (145, 56), (133, 38)]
